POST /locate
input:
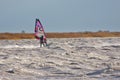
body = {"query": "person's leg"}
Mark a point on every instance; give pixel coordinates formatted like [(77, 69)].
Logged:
[(45, 42), (40, 44)]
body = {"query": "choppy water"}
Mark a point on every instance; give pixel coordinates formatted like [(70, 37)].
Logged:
[(64, 59)]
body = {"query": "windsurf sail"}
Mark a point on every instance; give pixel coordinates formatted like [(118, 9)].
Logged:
[(39, 30)]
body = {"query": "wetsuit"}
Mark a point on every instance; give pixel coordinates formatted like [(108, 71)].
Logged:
[(41, 41)]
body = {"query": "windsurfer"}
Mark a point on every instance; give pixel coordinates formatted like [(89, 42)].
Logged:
[(40, 34), (41, 41)]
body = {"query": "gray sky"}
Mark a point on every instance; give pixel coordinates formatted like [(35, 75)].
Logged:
[(60, 15)]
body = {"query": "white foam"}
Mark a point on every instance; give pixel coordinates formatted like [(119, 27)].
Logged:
[(106, 44), (17, 46)]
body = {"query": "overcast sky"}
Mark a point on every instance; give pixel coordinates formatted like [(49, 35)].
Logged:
[(60, 15)]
